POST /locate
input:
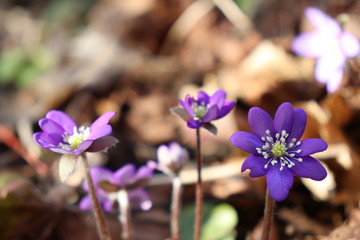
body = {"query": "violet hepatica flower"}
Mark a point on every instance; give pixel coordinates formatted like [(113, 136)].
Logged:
[(61, 134), (201, 111), (108, 183), (277, 150), (172, 158), (329, 44)]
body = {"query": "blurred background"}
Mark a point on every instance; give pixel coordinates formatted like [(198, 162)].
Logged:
[(138, 57)]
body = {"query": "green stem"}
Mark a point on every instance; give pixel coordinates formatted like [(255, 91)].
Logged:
[(175, 208), (268, 216), (101, 225), (199, 189)]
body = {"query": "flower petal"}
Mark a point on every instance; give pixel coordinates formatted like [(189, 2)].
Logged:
[(102, 144), (187, 105), (52, 129), (226, 108), (82, 147), (246, 141), (309, 146), (309, 168), (334, 81), (218, 98), (310, 44), (144, 172), (141, 199), (284, 118), (125, 175), (191, 123), (85, 203), (211, 114), (62, 119), (44, 140), (279, 182), (164, 155), (255, 164), (99, 174), (99, 131), (322, 21), (349, 44), (178, 153), (260, 121), (329, 64), (106, 203), (59, 150), (100, 127), (299, 124), (203, 98), (103, 119)]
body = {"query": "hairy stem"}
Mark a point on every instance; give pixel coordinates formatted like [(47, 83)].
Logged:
[(199, 190), (175, 208), (124, 215), (101, 225), (268, 216)]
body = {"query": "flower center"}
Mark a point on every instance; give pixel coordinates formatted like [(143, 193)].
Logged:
[(199, 110), (279, 150), (73, 141)]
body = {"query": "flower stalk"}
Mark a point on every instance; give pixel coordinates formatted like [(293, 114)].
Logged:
[(101, 225), (268, 216), (199, 189), (124, 215), (175, 208)]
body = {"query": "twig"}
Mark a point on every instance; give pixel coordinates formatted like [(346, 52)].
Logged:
[(9, 139), (235, 15), (187, 20)]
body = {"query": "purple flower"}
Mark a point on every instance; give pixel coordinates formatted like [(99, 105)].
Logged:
[(107, 184), (205, 109), (61, 134), (172, 158), (330, 44), (277, 151)]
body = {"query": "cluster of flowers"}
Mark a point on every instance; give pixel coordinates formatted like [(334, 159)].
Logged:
[(275, 144)]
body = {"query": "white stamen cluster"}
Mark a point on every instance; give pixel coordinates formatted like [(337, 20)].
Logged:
[(73, 141), (199, 110), (278, 150)]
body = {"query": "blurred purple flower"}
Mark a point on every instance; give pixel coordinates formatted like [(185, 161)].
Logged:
[(330, 44), (205, 109), (172, 158), (107, 184), (277, 151), (60, 134)]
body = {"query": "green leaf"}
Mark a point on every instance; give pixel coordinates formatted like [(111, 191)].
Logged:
[(219, 222), (11, 63)]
